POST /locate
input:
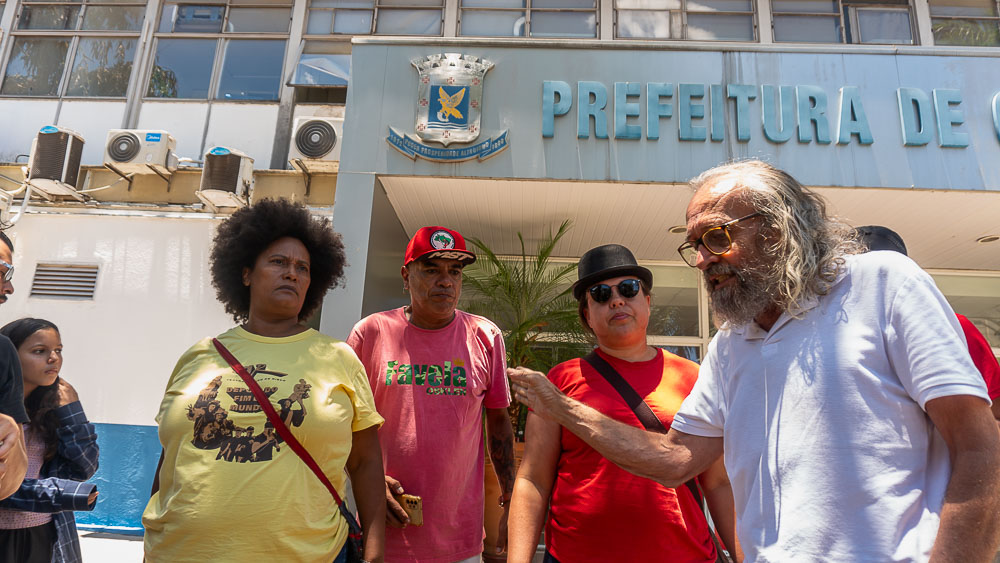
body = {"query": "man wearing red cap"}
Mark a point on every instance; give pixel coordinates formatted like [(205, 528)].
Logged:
[(433, 369)]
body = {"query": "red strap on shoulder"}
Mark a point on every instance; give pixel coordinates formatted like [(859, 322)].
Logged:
[(273, 417)]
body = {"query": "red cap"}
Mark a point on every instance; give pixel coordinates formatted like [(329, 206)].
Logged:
[(437, 242)]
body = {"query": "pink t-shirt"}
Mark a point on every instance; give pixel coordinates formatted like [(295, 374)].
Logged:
[(431, 386)]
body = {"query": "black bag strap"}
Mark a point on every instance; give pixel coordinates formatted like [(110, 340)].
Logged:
[(645, 415)]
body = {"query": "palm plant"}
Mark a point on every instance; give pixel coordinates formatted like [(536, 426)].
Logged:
[(529, 297)]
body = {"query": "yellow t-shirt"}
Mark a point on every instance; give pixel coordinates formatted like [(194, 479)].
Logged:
[(230, 488)]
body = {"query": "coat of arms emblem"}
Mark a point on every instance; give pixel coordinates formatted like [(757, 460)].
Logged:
[(449, 108)]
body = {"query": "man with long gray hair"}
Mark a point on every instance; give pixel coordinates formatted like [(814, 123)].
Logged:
[(853, 424)]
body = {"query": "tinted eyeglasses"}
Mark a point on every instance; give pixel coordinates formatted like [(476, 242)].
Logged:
[(628, 289), (716, 240), (10, 270)]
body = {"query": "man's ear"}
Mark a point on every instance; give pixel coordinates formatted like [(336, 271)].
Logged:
[(405, 272)]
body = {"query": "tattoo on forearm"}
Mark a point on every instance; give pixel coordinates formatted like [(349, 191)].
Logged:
[(502, 455)]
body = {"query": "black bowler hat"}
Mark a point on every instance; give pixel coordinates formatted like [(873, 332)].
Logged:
[(607, 261)]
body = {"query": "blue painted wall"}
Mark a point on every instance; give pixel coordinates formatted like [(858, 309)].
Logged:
[(128, 460)]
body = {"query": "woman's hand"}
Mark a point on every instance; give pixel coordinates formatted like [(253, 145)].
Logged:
[(92, 498), (67, 394)]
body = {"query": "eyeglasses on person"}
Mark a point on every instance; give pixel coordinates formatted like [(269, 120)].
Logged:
[(628, 289), (716, 240), (9, 274)]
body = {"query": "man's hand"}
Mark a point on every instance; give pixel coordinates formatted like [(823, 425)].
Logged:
[(67, 394), (534, 390), (13, 457), (502, 530), (395, 516)]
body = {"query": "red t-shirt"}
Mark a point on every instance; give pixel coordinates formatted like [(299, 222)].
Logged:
[(600, 512), (982, 356)]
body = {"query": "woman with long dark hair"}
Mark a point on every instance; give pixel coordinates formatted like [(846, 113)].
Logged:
[(36, 522)]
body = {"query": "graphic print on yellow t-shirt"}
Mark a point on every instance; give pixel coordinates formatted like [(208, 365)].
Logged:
[(214, 430)]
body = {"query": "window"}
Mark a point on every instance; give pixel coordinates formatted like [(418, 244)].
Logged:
[(705, 20), (843, 21), (529, 18), (233, 51), (382, 17), (965, 22), (81, 48), (977, 297)]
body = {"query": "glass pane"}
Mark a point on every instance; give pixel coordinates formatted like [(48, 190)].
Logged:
[(977, 298), (719, 6), (410, 3), (563, 4), (259, 19), (494, 3), (963, 8), (182, 68), (980, 33), (48, 17), (252, 70), (102, 67), (352, 21), (675, 301), (720, 28), (563, 24), (807, 6), (408, 22), (113, 18), (199, 19), (692, 353), (807, 29), (492, 24), (648, 4), (322, 70), (343, 4), (167, 16), (35, 66), (644, 24), (884, 26), (320, 22)]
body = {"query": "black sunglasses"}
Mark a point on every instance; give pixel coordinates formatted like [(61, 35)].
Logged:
[(628, 289)]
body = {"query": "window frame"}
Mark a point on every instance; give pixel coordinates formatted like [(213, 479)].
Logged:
[(75, 35), (683, 11), (527, 10), (934, 19), (222, 40), (376, 7), (847, 20)]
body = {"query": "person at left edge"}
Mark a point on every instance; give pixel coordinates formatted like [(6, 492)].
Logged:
[(434, 369), (13, 455), (228, 488)]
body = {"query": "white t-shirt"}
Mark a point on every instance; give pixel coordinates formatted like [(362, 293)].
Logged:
[(830, 453)]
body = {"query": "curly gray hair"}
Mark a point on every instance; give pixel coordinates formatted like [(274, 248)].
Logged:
[(809, 245)]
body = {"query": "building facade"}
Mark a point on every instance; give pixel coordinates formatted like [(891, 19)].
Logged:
[(493, 117)]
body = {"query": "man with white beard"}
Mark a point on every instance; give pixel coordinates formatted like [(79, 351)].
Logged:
[(853, 424)]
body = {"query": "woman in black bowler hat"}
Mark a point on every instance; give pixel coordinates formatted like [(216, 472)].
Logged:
[(598, 511)]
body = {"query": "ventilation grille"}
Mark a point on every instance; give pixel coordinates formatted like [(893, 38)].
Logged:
[(52, 161), (315, 139), (64, 280), (222, 172), (124, 147)]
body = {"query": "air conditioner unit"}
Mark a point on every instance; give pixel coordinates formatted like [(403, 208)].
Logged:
[(6, 202), (135, 151), (315, 145), (226, 179), (54, 162)]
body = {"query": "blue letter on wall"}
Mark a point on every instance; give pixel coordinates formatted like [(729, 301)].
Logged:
[(686, 110), (742, 93), (948, 116), (654, 109), (551, 107), (586, 108), (812, 109), (916, 126), (624, 109), (775, 130), (852, 118), (996, 114)]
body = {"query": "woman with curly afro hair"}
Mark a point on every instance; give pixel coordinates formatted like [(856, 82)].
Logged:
[(228, 487)]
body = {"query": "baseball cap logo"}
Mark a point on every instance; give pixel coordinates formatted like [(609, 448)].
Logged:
[(441, 240)]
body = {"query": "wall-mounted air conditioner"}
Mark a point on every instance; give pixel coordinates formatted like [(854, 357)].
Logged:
[(6, 202), (315, 144), (136, 151), (227, 179), (54, 162)]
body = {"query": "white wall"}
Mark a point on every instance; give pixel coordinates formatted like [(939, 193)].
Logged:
[(153, 300), (21, 119), (92, 120)]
